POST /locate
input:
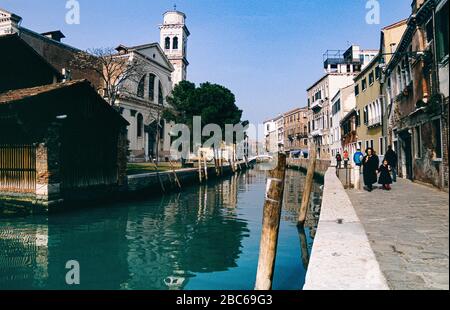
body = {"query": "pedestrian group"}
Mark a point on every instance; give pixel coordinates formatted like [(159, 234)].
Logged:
[(385, 174)]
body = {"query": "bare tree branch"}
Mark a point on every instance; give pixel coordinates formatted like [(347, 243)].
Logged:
[(113, 68)]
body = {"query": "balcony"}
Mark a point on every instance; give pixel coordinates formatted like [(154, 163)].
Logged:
[(301, 135), (374, 122), (317, 105), (317, 132)]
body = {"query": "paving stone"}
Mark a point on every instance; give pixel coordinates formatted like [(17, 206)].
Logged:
[(409, 232)]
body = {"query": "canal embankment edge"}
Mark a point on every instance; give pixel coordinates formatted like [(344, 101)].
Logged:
[(141, 186), (164, 182), (341, 257)]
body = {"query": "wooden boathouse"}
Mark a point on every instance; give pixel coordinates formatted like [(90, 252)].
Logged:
[(59, 142)]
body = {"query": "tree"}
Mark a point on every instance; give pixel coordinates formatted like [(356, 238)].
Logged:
[(214, 103), (113, 68)]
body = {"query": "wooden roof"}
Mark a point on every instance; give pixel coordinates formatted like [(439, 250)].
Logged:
[(19, 94), (29, 97)]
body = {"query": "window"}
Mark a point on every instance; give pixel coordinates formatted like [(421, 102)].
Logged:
[(141, 87), (377, 72), (167, 43), (140, 125), (366, 116), (160, 94), (318, 95), (364, 84), (358, 118), (175, 43), (442, 32), (151, 86), (400, 86), (438, 139), (417, 142), (336, 107), (371, 78), (356, 89)]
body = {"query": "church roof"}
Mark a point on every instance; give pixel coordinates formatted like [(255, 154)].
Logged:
[(138, 48)]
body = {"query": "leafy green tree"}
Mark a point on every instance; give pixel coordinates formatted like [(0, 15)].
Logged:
[(214, 103)]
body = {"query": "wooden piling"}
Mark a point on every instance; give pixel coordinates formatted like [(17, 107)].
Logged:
[(308, 186), (175, 174), (200, 166), (205, 167), (303, 246), (161, 183), (271, 223), (216, 163)]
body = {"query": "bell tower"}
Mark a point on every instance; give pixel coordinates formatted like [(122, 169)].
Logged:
[(174, 38)]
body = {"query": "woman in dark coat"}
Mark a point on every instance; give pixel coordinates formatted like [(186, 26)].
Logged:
[(385, 175), (370, 168)]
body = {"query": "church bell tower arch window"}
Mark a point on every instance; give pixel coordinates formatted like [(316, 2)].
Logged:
[(175, 43)]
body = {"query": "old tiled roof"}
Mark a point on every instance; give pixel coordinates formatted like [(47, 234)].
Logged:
[(20, 94), (16, 96)]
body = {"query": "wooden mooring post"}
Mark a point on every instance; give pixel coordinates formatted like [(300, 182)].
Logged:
[(161, 183), (271, 223), (175, 174), (308, 186), (200, 172)]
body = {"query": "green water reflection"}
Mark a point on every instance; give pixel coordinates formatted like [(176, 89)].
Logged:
[(206, 237)]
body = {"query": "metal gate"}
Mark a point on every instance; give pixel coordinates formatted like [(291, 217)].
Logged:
[(18, 168)]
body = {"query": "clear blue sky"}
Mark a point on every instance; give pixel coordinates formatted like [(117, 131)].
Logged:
[(266, 52)]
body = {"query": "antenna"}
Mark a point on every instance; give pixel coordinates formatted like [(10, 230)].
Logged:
[(175, 7)]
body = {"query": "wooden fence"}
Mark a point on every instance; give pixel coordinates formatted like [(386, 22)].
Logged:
[(18, 168)]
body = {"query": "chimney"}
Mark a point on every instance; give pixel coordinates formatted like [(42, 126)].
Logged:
[(54, 35)]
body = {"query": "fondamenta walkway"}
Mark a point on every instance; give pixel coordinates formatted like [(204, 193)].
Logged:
[(408, 229)]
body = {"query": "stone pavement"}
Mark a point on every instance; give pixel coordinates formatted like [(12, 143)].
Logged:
[(408, 229)]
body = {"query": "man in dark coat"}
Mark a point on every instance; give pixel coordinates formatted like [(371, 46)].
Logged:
[(392, 159), (370, 167)]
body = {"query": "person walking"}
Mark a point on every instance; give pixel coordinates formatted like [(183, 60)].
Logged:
[(392, 159), (385, 176), (370, 168), (338, 160), (346, 159)]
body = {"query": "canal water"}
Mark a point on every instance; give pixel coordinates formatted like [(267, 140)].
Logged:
[(205, 237)]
